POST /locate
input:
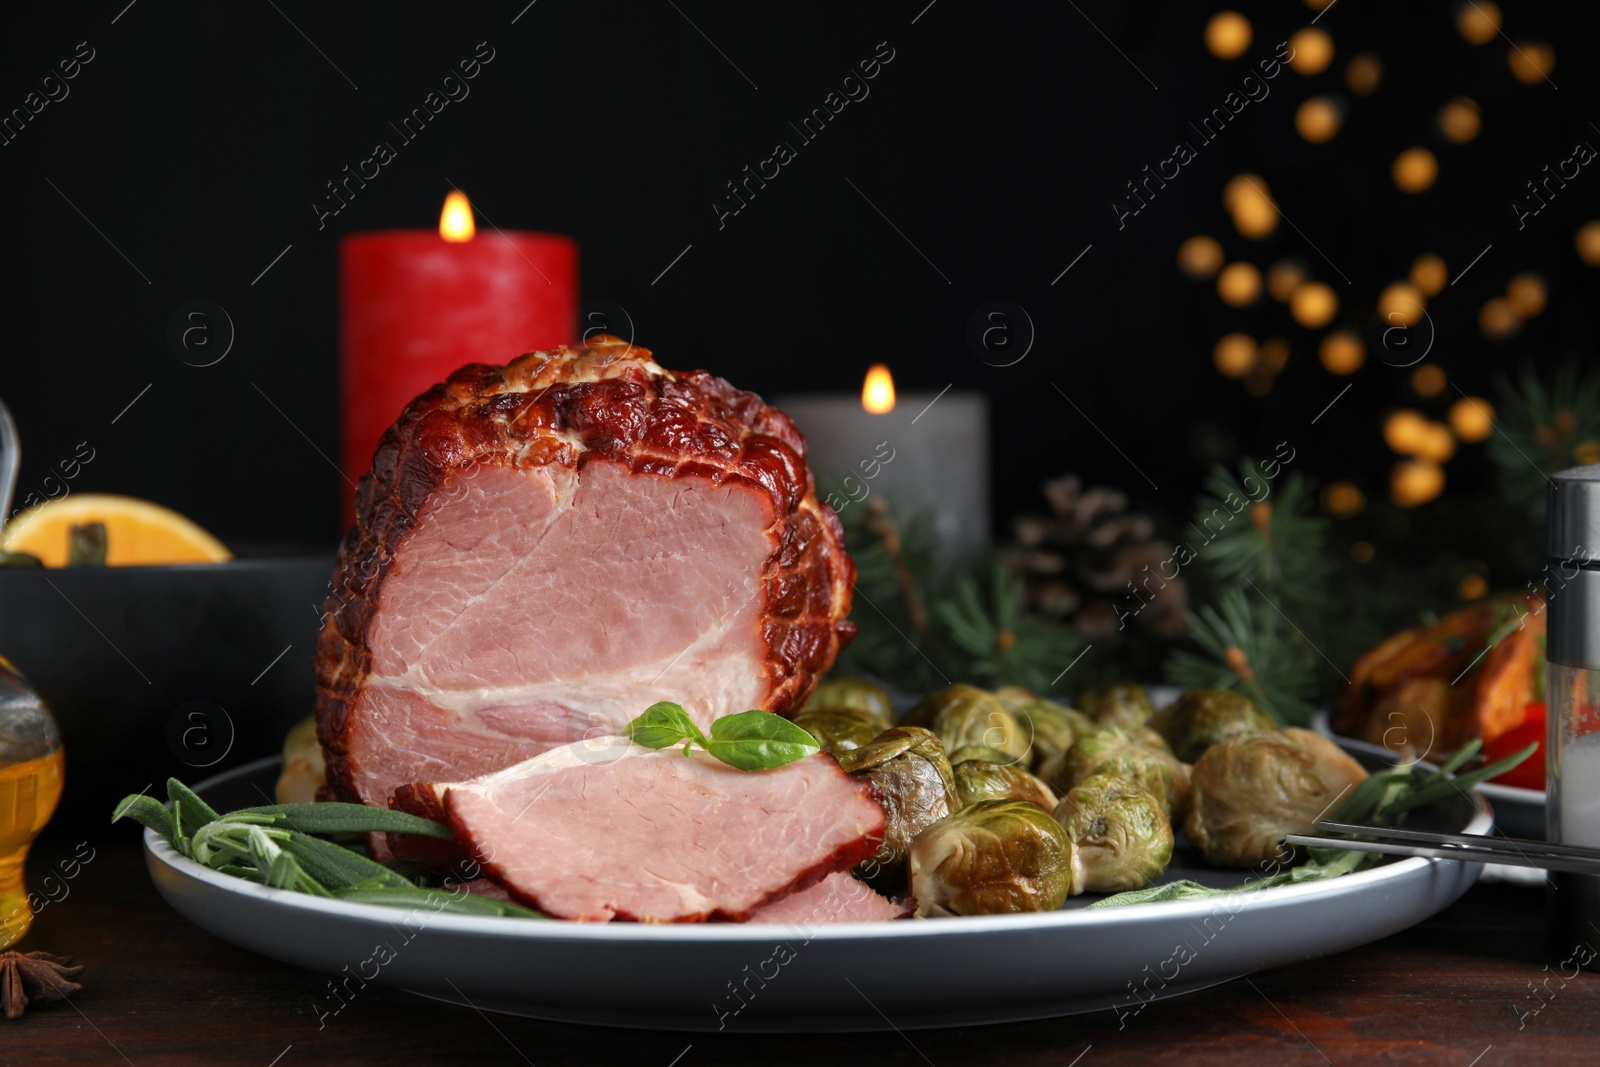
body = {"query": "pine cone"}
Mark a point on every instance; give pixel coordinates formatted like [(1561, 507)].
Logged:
[(1077, 564)]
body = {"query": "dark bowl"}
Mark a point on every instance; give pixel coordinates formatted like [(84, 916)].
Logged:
[(152, 672)]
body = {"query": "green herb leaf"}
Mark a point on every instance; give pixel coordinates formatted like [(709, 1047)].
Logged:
[(149, 812), (662, 725), (337, 867), (188, 809), (758, 741), (338, 818), (436, 900)]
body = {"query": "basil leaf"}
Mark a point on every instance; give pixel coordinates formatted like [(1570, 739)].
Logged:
[(334, 817), (758, 741), (662, 725)]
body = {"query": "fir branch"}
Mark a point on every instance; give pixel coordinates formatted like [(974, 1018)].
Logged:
[(1544, 427), (1003, 645), (1273, 539), (1250, 649)]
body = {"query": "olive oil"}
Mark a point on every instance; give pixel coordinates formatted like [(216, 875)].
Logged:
[(29, 790)]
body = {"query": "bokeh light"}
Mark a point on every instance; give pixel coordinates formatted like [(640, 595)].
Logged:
[(1239, 284), (1343, 499), (1531, 62), (1472, 418), (1274, 355), (1401, 304), (1415, 170), (1526, 295), (1228, 34), (1364, 73), (1200, 256), (1312, 50), (1472, 587), (1413, 482), (1342, 352), (1429, 380), (1588, 242), (1318, 119), (1437, 445), (1362, 552), (1314, 305), (1428, 274), (1460, 120), (1234, 355), (1406, 431), (1284, 277), (1254, 213), (1477, 21), (1497, 320)]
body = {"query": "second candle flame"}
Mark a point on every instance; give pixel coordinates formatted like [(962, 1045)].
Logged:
[(455, 221), (877, 392)]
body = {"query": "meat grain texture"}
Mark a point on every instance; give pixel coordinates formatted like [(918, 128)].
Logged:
[(544, 549)]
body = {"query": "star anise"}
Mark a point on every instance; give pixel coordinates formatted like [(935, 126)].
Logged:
[(30, 976)]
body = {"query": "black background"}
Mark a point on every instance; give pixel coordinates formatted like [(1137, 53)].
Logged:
[(995, 141)]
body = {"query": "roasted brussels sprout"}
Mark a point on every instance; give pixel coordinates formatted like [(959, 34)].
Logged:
[(839, 729), (983, 752), (1203, 717), (964, 715), (1052, 728), (1122, 834), (1126, 707), (915, 787), (978, 780), (1248, 792), (996, 856), (846, 692), (1159, 773)]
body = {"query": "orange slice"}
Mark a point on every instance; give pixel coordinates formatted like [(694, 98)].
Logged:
[(137, 531)]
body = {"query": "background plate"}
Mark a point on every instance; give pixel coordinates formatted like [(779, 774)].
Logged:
[(856, 976)]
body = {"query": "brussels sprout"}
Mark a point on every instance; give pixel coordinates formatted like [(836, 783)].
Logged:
[(966, 715), (846, 692), (983, 780), (996, 856), (915, 787), (983, 752), (1159, 773), (1052, 728), (1127, 707), (1248, 792), (1014, 695), (838, 729), (1122, 833), (1203, 717)]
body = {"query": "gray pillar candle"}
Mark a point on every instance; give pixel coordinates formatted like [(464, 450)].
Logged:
[(930, 452)]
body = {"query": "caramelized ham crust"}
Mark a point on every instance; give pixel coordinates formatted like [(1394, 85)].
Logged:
[(544, 549)]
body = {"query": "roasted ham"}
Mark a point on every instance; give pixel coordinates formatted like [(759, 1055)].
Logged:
[(838, 898), (605, 829), (544, 549)]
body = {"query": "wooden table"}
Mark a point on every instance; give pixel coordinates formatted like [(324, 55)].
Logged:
[(1452, 991)]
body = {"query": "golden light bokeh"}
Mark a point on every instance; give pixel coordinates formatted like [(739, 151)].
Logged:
[(1497, 320), (1472, 587), (1406, 432), (1362, 552), (1460, 119), (1343, 499), (1415, 170), (1586, 452), (1239, 284), (1437, 445), (1274, 355), (1200, 256), (1284, 277), (1312, 50), (1318, 5), (1318, 119), (1241, 185), (1314, 305), (1588, 242), (1258, 383), (1472, 418), (1401, 304), (1254, 213), (1526, 295), (1234, 355), (1413, 482), (1228, 34), (1428, 274), (1342, 352), (1364, 73), (1477, 21), (1429, 380), (1531, 62)]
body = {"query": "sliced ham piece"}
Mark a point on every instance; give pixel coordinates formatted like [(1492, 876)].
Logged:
[(838, 898), (545, 549), (606, 829)]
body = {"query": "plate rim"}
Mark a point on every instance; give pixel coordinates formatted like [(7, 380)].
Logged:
[(159, 851)]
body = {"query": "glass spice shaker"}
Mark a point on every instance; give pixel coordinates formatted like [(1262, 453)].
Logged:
[(31, 774), (1571, 586)]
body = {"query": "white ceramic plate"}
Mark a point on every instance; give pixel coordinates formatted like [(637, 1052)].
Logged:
[(857, 976), (1517, 812)]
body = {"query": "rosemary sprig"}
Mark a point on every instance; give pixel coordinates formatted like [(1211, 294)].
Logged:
[(274, 845)]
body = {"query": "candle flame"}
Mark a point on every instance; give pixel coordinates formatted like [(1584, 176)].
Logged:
[(455, 221), (877, 392)]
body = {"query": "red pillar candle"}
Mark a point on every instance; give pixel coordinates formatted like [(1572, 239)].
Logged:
[(417, 304)]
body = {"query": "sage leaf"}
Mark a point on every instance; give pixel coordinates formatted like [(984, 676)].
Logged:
[(334, 817), (662, 725), (188, 809), (758, 741), (339, 868), (436, 900), (148, 812)]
